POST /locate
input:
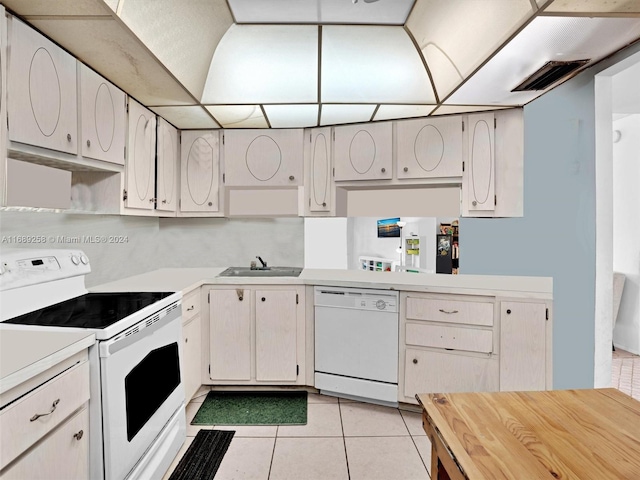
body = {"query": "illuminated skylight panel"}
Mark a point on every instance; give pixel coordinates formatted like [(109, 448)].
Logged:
[(390, 112), (292, 116), (239, 116), (339, 114)]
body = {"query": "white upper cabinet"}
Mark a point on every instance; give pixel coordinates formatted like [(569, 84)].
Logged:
[(168, 161), (141, 157), (319, 186), (363, 152), (200, 171), (429, 148), (255, 158), (493, 178), (103, 117), (42, 99), (479, 174)]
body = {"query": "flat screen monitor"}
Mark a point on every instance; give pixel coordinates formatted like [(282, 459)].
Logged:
[(388, 227)]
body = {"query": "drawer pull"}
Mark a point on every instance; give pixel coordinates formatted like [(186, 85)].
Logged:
[(415, 360), (78, 435), (190, 308), (448, 312), (53, 409)]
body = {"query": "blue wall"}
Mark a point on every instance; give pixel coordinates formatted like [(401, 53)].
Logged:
[(556, 236)]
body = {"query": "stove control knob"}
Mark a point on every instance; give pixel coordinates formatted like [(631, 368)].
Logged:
[(84, 259), (381, 305), (75, 260)]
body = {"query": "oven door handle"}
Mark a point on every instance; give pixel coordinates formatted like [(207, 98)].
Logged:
[(130, 336)]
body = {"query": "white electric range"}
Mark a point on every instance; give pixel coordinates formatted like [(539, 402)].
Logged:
[(137, 415)]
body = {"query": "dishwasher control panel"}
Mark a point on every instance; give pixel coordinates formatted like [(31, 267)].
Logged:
[(357, 298)]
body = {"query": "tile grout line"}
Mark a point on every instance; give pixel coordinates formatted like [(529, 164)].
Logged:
[(344, 440), (415, 444), (273, 452)]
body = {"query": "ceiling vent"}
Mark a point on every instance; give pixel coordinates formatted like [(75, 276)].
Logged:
[(550, 73)]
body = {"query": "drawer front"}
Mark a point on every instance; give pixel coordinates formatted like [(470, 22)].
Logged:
[(435, 372), (450, 311), (17, 432), (64, 454), (455, 338), (191, 305)]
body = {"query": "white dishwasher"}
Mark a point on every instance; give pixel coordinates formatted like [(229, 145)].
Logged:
[(356, 343)]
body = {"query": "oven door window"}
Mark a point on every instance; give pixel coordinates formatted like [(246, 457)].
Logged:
[(149, 384)]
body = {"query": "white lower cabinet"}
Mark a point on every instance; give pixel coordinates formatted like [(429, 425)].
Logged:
[(62, 455), (523, 346), (446, 372), (257, 335)]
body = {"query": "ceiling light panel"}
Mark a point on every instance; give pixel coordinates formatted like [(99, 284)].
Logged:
[(186, 117), (264, 64), (182, 35), (451, 109), (113, 51), (59, 7), (338, 114), (594, 6), (372, 64), (382, 12), (456, 36), (390, 112), (292, 116), (544, 39), (239, 116)]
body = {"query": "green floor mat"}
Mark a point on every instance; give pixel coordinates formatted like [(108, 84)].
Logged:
[(253, 408)]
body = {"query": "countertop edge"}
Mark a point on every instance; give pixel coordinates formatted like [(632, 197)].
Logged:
[(24, 374)]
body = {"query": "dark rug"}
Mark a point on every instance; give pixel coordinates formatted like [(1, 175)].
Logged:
[(253, 408), (203, 457)]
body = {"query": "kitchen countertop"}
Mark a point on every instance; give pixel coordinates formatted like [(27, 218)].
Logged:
[(27, 353), (186, 279)]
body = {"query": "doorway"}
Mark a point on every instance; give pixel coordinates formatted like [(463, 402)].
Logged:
[(617, 108)]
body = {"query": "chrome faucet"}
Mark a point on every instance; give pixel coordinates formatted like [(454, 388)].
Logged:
[(264, 264)]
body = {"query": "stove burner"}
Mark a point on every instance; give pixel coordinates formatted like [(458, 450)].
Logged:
[(92, 310)]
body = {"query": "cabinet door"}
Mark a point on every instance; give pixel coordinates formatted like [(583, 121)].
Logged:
[(318, 163), (141, 157), (276, 351), (63, 454), (432, 372), (230, 334), (363, 152), (191, 356), (522, 346), (167, 166), (478, 182), (43, 106), (266, 158), (200, 171), (429, 148), (103, 117)]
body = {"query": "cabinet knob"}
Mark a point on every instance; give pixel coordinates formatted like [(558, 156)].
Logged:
[(383, 169), (78, 435), (88, 143), (324, 204), (291, 177), (264, 299), (240, 297), (508, 311), (474, 203), (210, 204), (186, 340), (415, 360), (406, 169), (68, 137), (164, 201)]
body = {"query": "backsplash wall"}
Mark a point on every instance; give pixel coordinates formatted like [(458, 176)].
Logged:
[(151, 243)]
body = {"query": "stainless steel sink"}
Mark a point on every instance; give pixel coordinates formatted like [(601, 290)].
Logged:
[(261, 272)]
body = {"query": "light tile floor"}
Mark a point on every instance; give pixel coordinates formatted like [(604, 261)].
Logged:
[(625, 373), (342, 440)]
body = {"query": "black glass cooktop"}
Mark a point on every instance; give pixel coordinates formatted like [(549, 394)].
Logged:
[(93, 310)]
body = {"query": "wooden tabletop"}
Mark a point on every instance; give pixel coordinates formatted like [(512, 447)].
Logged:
[(566, 434)]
